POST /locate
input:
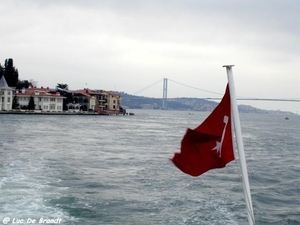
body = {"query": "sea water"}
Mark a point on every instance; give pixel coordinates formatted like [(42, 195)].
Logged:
[(116, 170)]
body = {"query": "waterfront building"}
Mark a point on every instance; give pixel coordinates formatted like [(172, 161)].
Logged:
[(97, 100), (45, 99), (6, 95)]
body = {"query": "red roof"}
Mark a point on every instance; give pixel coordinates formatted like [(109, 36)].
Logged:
[(82, 92), (41, 94), (89, 93), (40, 89)]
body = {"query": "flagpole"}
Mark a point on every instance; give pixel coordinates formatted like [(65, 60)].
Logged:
[(240, 145)]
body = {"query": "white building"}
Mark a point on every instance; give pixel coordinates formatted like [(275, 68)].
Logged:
[(45, 99), (6, 95)]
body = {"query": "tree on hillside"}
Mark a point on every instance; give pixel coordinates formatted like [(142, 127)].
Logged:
[(31, 105), (10, 73), (62, 86)]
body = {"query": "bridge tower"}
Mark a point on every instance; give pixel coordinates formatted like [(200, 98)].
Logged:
[(165, 91)]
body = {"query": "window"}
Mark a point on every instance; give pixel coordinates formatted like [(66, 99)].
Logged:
[(52, 99), (8, 99)]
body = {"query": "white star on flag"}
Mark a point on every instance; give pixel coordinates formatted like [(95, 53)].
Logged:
[(218, 146)]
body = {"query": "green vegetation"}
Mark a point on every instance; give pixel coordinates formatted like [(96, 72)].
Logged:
[(64, 87), (15, 104), (31, 105), (10, 73)]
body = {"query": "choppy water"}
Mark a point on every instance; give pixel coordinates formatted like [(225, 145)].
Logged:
[(115, 170)]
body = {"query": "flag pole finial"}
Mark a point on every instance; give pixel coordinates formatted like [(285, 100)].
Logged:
[(228, 66)]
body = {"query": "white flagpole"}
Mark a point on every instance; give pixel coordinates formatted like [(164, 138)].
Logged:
[(240, 145)]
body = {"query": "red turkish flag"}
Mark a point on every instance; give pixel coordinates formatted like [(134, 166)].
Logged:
[(208, 146)]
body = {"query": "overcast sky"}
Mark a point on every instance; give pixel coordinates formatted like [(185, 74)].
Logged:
[(129, 45)]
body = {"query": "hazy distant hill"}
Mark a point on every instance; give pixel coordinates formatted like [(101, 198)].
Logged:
[(185, 104)]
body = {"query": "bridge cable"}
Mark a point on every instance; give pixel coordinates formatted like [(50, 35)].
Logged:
[(196, 88), (145, 88)]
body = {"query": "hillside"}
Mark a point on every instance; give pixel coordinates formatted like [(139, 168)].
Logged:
[(185, 104)]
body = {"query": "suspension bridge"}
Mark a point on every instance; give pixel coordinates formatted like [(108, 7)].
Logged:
[(165, 93)]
